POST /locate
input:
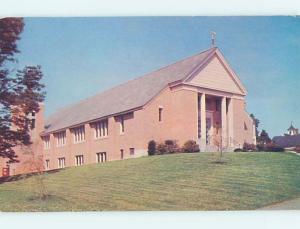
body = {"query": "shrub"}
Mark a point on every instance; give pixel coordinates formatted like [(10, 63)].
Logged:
[(167, 147), (151, 147), (190, 147), (260, 147), (297, 149), (161, 148), (272, 147), (172, 146), (249, 147)]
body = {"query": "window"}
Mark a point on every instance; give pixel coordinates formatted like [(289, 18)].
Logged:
[(122, 129), (47, 164), (79, 160), (245, 126), (32, 124), (60, 138), (46, 141), (101, 129), (79, 134), (131, 151), (101, 157), (122, 153), (160, 110), (61, 162)]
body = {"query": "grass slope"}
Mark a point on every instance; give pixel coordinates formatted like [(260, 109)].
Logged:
[(170, 182)]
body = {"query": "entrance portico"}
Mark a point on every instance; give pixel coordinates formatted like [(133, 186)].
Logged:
[(215, 122)]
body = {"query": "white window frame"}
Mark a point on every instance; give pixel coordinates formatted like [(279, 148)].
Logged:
[(78, 134), (79, 160), (61, 138), (101, 129), (46, 140), (122, 124), (101, 157), (61, 162)]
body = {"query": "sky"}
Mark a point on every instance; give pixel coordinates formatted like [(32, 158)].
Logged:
[(83, 56)]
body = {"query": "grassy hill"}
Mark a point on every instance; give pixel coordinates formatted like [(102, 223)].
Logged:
[(170, 182)]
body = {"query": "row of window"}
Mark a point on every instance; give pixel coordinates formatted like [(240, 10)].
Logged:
[(79, 160), (100, 131)]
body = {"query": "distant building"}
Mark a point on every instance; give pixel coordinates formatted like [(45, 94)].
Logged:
[(292, 130), (290, 139)]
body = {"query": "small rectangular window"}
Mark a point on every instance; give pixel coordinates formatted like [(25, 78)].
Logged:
[(60, 138), (47, 164), (46, 140), (122, 153), (160, 114), (79, 160), (101, 129), (32, 124), (101, 157), (61, 162), (131, 151), (122, 127), (79, 134)]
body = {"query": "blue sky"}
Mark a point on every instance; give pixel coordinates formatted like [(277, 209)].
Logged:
[(82, 56)]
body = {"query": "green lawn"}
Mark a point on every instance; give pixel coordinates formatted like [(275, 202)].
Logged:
[(170, 182)]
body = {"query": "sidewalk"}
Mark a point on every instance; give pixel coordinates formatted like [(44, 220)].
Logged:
[(285, 205)]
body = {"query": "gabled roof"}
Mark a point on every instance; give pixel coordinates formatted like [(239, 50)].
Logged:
[(125, 97)]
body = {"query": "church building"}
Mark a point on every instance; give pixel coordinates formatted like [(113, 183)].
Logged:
[(198, 98)]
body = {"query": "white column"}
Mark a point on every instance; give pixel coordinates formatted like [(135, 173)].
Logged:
[(230, 124), (224, 121), (203, 121)]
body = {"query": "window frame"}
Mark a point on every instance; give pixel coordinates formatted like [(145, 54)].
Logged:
[(131, 151), (79, 160), (46, 140), (60, 164), (78, 134), (100, 129)]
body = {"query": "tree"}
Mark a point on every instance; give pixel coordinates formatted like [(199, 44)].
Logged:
[(264, 138), (256, 123), (20, 91), (34, 165)]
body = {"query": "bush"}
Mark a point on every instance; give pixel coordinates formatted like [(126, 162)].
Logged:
[(169, 146), (272, 147), (172, 146), (297, 149), (260, 147), (248, 147), (161, 148), (151, 148), (190, 147)]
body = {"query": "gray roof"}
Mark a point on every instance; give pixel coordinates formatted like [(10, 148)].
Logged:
[(130, 95), (287, 141)]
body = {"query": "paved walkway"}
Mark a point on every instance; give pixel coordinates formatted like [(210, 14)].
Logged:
[(285, 205)]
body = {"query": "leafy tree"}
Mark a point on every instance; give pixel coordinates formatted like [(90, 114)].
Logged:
[(256, 123), (264, 138), (20, 91)]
